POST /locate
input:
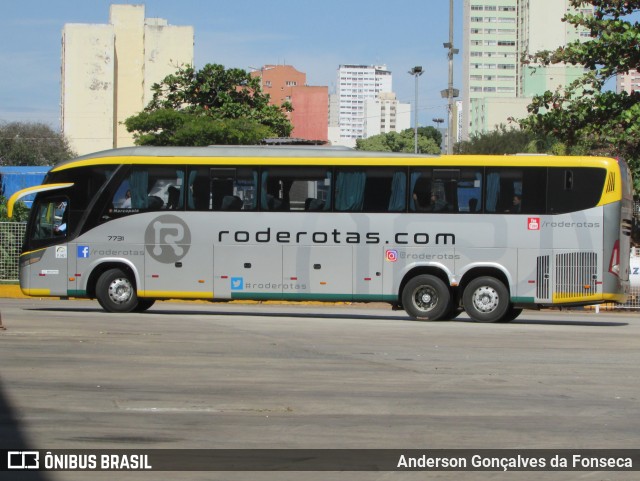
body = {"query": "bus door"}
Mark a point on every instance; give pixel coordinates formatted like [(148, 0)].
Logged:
[(317, 272), (48, 269)]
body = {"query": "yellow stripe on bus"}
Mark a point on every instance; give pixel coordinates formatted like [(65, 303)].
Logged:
[(36, 292), (391, 160)]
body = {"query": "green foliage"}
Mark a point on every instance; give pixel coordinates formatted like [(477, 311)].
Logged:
[(20, 211), (429, 140), (499, 141), (582, 115), (24, 143), (213, 105), (166, 127)]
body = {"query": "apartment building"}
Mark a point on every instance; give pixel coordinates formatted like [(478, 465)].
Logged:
[(284, 83), (108, 71), (356, 84), (629, 82), (497, 33), (385, 114)]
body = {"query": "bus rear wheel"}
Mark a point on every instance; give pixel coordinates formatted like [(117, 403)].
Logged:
[(486, 299), (116, 292), (426, 297)]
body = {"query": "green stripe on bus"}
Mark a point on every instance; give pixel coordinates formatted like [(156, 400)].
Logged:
[(76, 293), (528, 300)]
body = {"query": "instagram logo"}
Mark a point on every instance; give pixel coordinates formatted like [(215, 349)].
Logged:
[(391, 255)]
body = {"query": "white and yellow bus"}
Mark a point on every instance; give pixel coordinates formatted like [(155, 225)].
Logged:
[(489, 235)]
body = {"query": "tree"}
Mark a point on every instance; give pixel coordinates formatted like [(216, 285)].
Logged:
[(213, 105), (24, 143), (20, 211), (502, 141), (584, 114), (429, 140)]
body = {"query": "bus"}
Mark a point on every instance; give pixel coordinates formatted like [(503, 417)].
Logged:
[(433, 235)]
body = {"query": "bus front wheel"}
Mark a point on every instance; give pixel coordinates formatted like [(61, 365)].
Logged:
[(426, 297), (116, 292), (144, 304), (486, 299)]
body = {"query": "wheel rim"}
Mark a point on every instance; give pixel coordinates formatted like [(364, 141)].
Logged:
[(425, 298), (120, 290), (486, 299)]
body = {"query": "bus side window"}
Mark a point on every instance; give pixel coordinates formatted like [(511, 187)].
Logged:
[(373, 189), (572, 190), (296, 189), (420, 189), (349, 194), (221, 188), (444, 190), (469, 191), (503, 190), (147, 188), (516, 190)]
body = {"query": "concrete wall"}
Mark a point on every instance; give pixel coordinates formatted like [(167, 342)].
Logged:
[(108, 71), (88, 86)]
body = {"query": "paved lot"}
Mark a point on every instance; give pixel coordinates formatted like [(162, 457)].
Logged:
[(196, 375)]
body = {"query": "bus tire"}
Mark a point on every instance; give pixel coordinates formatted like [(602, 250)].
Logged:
[(144, 304), (486, 299), (116, 292), (426, 297), (511, 314)]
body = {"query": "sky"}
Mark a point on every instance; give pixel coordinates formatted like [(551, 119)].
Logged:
[(316, 37)]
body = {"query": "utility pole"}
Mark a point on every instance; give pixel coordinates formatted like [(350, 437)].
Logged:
[(450, 93), (416, 72)]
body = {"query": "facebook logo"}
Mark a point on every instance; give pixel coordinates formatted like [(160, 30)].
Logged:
[(237, 283), (83, 252)]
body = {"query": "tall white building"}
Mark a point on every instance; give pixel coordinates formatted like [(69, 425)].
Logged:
[(497, 33), (356, 84), (385, 114), (108, 71)]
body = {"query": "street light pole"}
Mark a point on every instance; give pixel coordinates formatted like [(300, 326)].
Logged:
[(450, 93), (416, 72)]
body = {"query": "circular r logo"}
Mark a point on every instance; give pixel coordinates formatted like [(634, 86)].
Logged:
[(167, 239)]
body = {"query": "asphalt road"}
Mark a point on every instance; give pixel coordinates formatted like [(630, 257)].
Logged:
[(199, 375)]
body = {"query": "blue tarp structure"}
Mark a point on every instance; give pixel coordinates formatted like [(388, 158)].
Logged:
[(13, 179)]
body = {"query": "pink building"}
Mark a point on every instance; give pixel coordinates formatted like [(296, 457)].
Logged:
[(310, 116)]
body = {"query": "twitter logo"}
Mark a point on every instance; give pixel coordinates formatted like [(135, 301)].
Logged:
[(237, 283)]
